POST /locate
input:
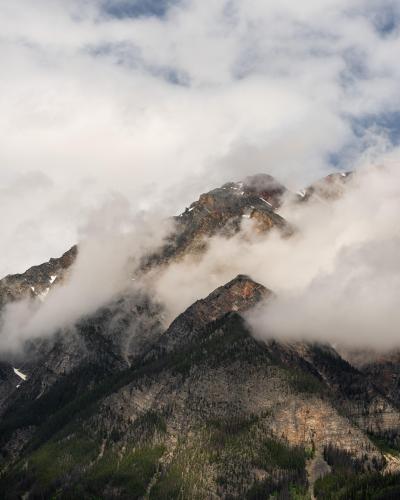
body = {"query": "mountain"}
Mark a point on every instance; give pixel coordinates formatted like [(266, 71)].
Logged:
[(331, 187), (36, 281), (120, 406), (221, 211)]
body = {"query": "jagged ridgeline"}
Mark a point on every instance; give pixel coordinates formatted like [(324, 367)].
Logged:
[(120, 407)]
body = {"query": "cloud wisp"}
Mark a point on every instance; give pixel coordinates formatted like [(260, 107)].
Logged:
[(112, 244), (337, 279), (149, 105)]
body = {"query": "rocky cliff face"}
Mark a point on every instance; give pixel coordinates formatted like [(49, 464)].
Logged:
[(36, 281), (121, 407), (222, 211)]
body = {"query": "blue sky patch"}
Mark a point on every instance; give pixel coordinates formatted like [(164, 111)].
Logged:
[(137, 8), (386, 19), (388, 123)]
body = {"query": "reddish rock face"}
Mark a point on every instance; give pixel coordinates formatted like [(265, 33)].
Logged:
[(239, 295), (221, 211)]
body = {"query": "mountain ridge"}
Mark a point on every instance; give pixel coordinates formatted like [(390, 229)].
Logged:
[(121, 406)]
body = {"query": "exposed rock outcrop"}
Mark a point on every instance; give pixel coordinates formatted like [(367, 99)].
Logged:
[(36, 281)]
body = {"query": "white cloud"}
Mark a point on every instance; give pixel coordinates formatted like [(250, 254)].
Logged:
[(337, 279), (112, 243), (157, 109)]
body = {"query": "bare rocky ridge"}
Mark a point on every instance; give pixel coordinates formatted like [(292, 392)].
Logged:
[(122, 407), (239, 295), (36, 281), (221, 211)]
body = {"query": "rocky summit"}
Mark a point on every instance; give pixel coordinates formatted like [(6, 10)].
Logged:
[(122, 406)]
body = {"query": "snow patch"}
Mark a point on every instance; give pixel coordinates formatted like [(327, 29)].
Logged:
[(301, 193), (265, 201), (32, 288), (52, 279), (20, 374)]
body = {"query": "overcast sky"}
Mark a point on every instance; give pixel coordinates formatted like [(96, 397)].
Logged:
[(144, 104)]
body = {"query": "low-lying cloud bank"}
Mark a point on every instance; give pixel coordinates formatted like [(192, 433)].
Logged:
[(111, 247), (160, 105), (337, 279)]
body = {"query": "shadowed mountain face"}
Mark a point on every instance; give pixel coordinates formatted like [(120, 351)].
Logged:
[(121, 407)]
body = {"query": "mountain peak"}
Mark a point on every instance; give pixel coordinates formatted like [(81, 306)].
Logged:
[(330, 187), (241, 291), (267, 187), (259, 189), (238, 295), (222, 211)]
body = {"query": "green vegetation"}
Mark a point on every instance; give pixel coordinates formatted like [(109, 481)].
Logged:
[(279, 454), (149, 423), (230, 432), (46, 468), (327, 357), (57, 459), (130, 474), (238, 454), (303, 382), (388, 442), (182, 478), (349, 481), (342, 461), (278, 490), (170, 486), (226, 339), (238, 446), (286, 471), (374, 486), (65, 400), (75, 397), (70, 470)]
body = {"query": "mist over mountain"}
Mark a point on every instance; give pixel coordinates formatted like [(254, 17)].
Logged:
[(199, 269), (156, 107), (217, 338)]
